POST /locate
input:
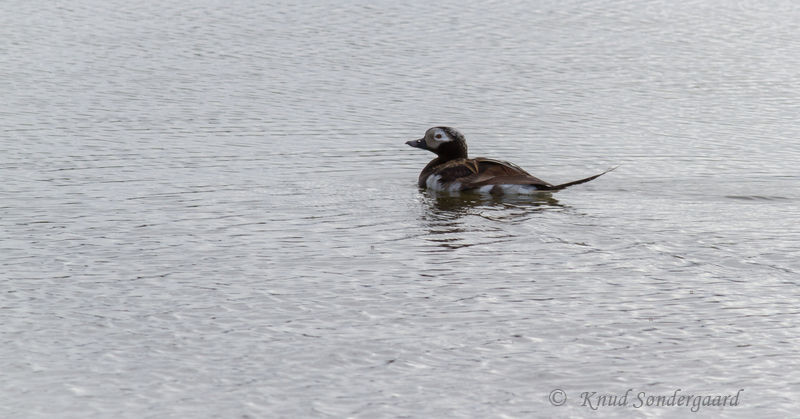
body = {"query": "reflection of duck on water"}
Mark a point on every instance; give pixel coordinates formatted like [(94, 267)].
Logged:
[(466, 202), (453, 171), (456, 220)]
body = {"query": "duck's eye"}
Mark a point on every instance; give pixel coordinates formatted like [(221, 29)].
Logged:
[(438, 136)]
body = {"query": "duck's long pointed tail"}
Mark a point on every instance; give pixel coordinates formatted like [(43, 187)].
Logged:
[(578, 182)]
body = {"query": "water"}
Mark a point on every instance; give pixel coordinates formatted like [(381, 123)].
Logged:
[(208, 209)]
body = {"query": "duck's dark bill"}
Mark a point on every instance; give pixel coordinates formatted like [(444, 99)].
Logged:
[(418, 143)]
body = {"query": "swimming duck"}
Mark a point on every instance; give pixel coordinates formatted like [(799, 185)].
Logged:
[(453, 171)]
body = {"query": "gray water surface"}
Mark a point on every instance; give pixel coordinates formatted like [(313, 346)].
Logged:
[(207, 209)]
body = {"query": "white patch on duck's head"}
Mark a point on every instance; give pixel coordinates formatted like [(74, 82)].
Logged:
[(437, 136)]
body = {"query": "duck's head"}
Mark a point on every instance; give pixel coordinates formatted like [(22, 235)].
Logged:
[(444, 141)]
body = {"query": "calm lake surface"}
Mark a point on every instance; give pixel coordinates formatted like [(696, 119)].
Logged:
[(208, 209)]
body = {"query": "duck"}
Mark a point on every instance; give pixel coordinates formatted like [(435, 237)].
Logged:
[(452, 170)]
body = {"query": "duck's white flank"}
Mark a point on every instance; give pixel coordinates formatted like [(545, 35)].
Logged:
[(433, 183), (511, 189)]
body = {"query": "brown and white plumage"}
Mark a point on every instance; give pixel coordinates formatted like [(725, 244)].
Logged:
[(453, 170)]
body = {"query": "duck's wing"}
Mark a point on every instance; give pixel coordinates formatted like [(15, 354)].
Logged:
[(464, 174), (498, 172)]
